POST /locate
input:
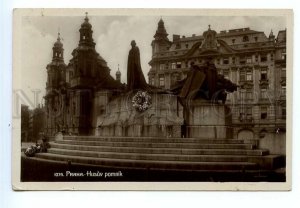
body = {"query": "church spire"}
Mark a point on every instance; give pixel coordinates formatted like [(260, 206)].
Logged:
[(118, 75), (58, 50), (86, 33), (161, 32)]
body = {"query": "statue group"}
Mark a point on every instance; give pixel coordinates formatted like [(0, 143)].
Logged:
[(202, 81)]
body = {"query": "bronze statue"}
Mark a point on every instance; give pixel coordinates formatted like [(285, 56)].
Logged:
[(135, 76), (204, 82)]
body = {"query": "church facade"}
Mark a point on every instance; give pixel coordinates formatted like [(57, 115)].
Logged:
[(249, 58), (74, 90)]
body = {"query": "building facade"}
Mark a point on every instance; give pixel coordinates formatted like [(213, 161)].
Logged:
[(249, 58), (73, 89)]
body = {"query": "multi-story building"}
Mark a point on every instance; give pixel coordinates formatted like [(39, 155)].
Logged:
[(249, 58)]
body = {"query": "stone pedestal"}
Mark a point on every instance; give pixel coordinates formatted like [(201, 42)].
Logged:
[(205, 119), (120, 118)]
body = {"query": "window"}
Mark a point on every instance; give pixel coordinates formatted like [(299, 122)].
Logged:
[(175, 78), (242, 60), (249, 76), (218, 61), (173, 65), (242, 76), (264, 58), (233, 41), (283, 89), (225, 61), (178, 46), (245, 38), (249, 95), (161, 66), (263, 112), (178, 65), (263, 93), (283, 73), (83, 37), (186, 45), (151, 80), (256, 58), (233, 60), (248, 113), (161, 81), (249, 60), (226, 74), (255, 38), (263, 75), (283, 54)]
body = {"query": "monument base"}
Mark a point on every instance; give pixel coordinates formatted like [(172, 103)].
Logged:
[(205, 119), (161, 119)]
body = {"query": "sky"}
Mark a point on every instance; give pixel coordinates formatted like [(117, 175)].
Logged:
[(112, 35)]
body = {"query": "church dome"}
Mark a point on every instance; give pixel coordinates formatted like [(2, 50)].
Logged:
[(86, 23), (58, 43)]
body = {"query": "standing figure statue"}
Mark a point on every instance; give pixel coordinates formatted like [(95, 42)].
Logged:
[(135, 76)]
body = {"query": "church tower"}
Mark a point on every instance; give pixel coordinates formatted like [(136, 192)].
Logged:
[(87, 70), (56, 69), (56, 75), (87, 67), (161, 41)]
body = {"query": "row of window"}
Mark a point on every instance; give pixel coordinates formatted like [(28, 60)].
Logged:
[(223, 61), (246, 114), (244, 95), (244, 75)]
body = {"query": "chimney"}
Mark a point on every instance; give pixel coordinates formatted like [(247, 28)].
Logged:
[(176, 37)]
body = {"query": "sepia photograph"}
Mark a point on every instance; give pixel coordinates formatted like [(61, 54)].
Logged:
[(152, 99)]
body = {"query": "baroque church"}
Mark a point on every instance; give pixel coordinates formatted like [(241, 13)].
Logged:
[(71, 90)]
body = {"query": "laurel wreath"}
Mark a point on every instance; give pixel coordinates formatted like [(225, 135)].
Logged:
[(141, 101)]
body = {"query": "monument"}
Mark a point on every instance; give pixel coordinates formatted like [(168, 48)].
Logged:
[(141, 111), (135, 77), (199, 94), (190, 109)]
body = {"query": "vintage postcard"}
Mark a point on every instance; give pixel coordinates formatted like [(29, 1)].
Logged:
[(152, 99)]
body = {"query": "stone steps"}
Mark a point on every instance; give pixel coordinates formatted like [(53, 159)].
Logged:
[(87, 146), (150, 164), (184, 154), (155, 140), (146, 144), (145, 156)]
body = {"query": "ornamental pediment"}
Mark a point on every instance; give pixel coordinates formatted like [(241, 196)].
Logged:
[(222, 48)]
